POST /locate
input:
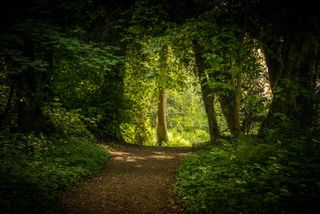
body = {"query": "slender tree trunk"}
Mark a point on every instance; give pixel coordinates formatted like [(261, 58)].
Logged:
[(206, 91), (237, 99), (162, 135), (208, 100), (8, 106), (226, 101), (230, 105)]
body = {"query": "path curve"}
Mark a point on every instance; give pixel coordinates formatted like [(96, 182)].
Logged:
[(135, 180)]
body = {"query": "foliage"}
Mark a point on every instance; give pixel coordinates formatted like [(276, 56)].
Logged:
[(138, 93), (187, 122), (256, 95), (185, 110), (252, 177), (93, 69), (151, 65), (34, 169), (47, 37), (63, 65), (186, 138), (67, 123)]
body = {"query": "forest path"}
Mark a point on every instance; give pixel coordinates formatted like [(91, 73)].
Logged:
[(135, 180)]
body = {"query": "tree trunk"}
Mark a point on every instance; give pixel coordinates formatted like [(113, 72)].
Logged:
[(8, 106), (30, 116), (4, 116), (140, 127), (206, 91), (227, 103), (230, 105), (162, 135), (237, 99), (208, 100), (292, 79)]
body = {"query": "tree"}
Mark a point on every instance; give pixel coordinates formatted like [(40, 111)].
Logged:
[(223, 54), (233, 55), (190, 41), (107, 24), (156, 64), (206, 91), (162, 133), (32, 63), (290, 40), (38, 48), (138, 93)]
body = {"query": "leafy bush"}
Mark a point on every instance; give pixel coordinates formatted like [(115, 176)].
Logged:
[(67, 123), (34, 169), (252, 177)]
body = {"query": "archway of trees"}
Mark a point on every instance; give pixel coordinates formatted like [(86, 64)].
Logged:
[(165, 73), (109, 65)]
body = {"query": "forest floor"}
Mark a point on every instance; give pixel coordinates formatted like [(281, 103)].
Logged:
[(135, 180)]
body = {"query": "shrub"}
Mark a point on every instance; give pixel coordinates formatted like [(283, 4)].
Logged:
[(67, 123), (34, 169), (252, 177)]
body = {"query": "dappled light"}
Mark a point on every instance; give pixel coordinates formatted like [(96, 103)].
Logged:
[(134, 177), (150, 106), (131, 157)]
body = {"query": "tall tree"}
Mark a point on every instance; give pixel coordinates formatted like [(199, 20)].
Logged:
[(206, 91), (30, 115), (291, 44), (162, 133)]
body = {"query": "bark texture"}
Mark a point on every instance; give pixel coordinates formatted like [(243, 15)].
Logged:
[(162, 133)]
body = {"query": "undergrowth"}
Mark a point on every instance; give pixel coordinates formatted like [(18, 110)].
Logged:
[(251, 176), (34, 169)]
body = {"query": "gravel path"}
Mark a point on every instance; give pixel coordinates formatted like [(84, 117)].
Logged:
[(135, 180)]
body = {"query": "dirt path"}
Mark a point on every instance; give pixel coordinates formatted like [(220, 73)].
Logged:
[(136, 180)]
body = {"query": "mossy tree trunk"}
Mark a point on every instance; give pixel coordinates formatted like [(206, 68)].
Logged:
[(207, 92), (230, 105), (140, 127)]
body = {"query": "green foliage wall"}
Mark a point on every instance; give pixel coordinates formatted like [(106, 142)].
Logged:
[(251, 176)]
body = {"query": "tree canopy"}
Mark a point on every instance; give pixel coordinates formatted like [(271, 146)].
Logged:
[(168, 73)]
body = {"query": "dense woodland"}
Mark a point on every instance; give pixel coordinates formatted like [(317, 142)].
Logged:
[(237, 79)]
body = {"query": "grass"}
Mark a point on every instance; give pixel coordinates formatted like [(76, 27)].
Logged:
[(34, 170), (180, 138)]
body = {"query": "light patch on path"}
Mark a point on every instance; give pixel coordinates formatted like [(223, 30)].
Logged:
[(136, 180)]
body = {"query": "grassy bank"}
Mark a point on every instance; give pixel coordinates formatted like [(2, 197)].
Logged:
[(252, 176), (34, 170)]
